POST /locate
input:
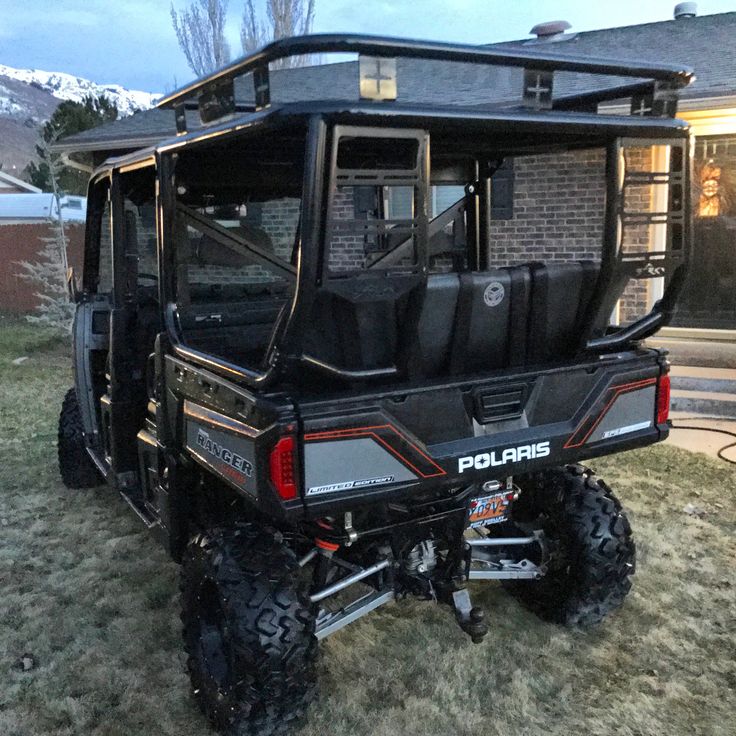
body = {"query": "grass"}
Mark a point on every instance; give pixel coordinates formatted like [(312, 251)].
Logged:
[(90, 597)]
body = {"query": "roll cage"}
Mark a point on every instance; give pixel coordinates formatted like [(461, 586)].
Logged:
[(570, 119)]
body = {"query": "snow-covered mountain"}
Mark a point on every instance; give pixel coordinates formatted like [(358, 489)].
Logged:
[(28, 98), (68, 87)]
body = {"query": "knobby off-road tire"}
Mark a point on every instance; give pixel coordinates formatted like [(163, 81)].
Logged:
[(592, 550), (248, 631), (75, 465)]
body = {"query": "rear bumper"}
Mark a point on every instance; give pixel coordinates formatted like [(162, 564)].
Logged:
[(362, 449)]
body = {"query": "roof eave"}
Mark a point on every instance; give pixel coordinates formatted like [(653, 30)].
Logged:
[(29, 188), (67, 145), (684, 104)]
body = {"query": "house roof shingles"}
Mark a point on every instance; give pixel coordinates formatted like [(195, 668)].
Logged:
[(707, 43)]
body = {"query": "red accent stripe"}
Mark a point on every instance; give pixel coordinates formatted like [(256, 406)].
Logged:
[(337, 434), (617, 391), (327, 546)]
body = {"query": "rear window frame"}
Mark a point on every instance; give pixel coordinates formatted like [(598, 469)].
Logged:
[(416, 177)]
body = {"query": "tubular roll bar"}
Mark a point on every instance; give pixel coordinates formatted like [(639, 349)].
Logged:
[(645, 327), (384, 46), (639, 330)]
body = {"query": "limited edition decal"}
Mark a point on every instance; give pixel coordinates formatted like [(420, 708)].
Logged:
[(350, 484), (503, 457)]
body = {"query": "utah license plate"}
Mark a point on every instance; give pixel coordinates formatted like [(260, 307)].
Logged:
[(491, 509)]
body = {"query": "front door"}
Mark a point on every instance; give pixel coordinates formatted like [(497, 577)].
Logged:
[(708, 300)]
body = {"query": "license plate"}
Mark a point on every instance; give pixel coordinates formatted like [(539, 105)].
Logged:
[(491, 509)]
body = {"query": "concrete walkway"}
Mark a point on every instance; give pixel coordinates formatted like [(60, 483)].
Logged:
[(709, 353), (704, 391), (698, 441)]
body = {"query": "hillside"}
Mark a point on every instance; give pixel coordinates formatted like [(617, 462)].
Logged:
[(23, 109), (28, 97)]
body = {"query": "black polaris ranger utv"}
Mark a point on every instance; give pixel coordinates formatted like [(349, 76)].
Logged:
[(338, 351)]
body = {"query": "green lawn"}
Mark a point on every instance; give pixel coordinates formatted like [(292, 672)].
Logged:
[(91, 598)]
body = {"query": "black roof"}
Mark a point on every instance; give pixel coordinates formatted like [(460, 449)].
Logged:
[(559, 123), (707, 43)]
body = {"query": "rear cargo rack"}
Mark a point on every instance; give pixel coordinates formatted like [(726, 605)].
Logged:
[(653, 94)]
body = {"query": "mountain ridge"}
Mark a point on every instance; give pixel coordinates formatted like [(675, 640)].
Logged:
[(66, 86), (28, 98)]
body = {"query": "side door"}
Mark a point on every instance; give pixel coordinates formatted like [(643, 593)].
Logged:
[(134, 319), (92, 320)]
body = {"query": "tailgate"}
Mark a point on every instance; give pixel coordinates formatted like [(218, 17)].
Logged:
[(365, 447)]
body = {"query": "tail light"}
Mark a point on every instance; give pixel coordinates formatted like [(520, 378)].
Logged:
[(663, 399), (283, 468)]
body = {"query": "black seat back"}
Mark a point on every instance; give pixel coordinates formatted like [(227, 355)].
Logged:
[(491, 320), (469, 322), (353, 335), (430, 323), (561, 293), (459, 323)]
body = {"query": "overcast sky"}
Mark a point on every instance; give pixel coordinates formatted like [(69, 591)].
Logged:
[(132, 42)]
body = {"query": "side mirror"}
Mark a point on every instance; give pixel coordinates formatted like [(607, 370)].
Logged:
[(75, 295)]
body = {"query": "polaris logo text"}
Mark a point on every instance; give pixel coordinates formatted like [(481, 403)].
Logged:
[(503, 457), (222, 453)]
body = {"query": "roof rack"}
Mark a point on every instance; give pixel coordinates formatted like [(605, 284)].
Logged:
[(654, 94)]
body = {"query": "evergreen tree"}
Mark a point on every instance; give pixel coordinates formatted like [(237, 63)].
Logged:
[(68, 118)]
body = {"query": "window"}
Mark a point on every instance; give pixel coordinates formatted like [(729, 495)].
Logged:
[(139, 224), (375, 205), (97, 275), (235, 246), (502, 191), (236, 232), (444, 196), (708, 299)]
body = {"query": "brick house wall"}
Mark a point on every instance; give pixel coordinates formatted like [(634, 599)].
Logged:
[(559, 207), (346, 252), (22, 242), (558, 211), (559, 201), (278, 220), (639, 198)]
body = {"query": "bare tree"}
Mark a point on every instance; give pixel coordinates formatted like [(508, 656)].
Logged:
[(200, 30), (283, 18)]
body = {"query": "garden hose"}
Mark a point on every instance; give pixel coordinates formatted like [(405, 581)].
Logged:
[(723, 449)]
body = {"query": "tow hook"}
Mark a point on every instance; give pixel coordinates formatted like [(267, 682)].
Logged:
[(472, 619)]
